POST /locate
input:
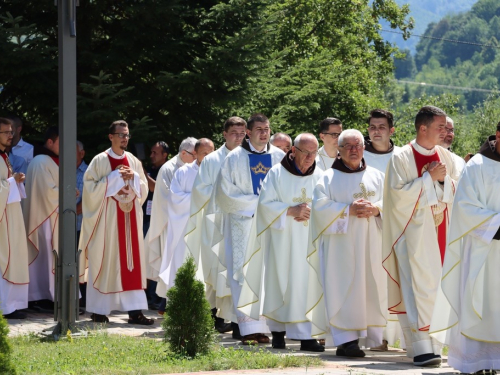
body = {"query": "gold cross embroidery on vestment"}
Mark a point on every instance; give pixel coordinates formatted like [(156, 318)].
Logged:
[(364, 194), (303, 199)]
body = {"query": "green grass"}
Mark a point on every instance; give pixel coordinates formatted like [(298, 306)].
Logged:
[(113, 354)]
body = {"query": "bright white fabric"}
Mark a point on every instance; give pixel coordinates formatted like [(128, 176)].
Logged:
[(234, 196), (276, 271), (323, 161), (379, 161), (178, 205), (411, 252), (347, 264), (466, 311)]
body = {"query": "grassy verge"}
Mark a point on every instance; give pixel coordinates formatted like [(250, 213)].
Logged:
[(111, 354)]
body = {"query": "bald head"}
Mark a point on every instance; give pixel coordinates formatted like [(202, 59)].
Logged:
[(202, 148), (304, 151), (282, 141), (305, 138)]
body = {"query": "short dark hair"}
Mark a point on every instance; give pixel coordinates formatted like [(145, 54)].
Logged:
[(163, 146), (234, 121), (256, 117), (5, 121), (425, 116), (15, 120), (498, 127), (382, 113), (324, 125), (51, 133), (112, 127), (201, 141)]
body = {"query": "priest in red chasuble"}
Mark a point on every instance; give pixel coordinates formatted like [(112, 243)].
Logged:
[(419, 188), (114, 190)]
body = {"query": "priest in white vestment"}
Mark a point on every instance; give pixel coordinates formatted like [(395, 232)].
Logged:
[(201, 226), (466, 314), (329, 132), (237, 192), (346, 251), (14, 257), (277, 249), (114, 190), (178, 208), (379, 149), (281, 140), (41, 213), (420, 184)]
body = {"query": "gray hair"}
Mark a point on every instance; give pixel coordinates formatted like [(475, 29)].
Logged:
[(449, 120), (349, 133), (277, 136), (298, 139), (80, 145), (188, 144)]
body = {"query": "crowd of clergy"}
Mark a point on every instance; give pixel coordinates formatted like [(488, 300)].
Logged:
[(356, 244)]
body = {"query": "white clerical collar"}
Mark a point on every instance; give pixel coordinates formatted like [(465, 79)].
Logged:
[(254, 149), (422, 150), (113, 155)]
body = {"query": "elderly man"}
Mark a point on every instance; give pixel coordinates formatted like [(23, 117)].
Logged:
[(236, 193), (329, 132), (14, 257), (282, 141), (450, 134), (279, 247), (114, 189), (466, 311), (178, 208), (419, 188), (155, 238), (202, 225), (346, 251)]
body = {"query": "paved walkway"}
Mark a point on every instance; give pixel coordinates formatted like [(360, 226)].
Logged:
[(393, 362)]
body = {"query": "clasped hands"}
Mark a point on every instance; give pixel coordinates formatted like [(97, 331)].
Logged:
[(437, 170), (300, 213), (127, 174), (363, 208), (19, 177)]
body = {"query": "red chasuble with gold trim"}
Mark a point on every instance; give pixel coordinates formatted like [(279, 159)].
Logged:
[(440, 210), (128, 236)]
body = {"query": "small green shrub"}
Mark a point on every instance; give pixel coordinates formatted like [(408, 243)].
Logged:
[(6, 366), (188, 323)]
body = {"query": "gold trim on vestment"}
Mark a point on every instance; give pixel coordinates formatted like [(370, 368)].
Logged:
[(357, 329), (316, 304), (447, 273), (472, 338), (295, 322), (250, 303), (444, 329), (470, 230)]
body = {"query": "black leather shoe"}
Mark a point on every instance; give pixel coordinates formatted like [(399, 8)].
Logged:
[(426, 360), (98, 318), (236, 331), (15, 315), (311, 346), (350, 349), (222, 327), (278, 340)]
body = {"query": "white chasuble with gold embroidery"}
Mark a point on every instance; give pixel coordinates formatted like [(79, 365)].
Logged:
[(111, 236), (277, 250), (345, 254), (466, 313)]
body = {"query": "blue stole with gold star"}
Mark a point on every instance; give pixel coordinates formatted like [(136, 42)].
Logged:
[(260, 164)]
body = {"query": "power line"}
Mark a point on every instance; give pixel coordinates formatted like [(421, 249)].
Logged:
[(445, 86), (443, 39)]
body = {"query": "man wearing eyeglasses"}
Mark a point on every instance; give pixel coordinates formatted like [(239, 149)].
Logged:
[(450, 134), (277, 248), (14, 257), (41, 214), (237, 192), (346, 251), (114, 190), (420, 185), (154, 240), (329, 132)]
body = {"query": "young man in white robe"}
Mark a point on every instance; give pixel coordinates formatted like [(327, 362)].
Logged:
[(201, 225), (236, 194), (14, 257), (329, 132), (41, 213), (379, 149), (178, 208), (346, 251), (420, 184), (466, 314), (277, 250), (154, 241), (111, 239)]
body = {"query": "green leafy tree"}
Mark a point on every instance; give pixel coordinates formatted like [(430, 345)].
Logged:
[(6, 366), (188, 324)]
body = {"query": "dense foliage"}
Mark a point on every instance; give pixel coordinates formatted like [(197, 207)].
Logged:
[(6, 365)]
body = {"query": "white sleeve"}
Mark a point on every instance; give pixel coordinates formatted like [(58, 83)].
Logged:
[(14, 194), (486, 231), (279, 224), (115, 183)]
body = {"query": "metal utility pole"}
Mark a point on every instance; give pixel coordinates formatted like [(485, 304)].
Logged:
[(66, 294)]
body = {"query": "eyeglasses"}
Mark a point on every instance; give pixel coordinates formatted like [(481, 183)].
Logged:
[(334, 135), (8, 132), (190, 153), (353, 147), (123, 135), (449, 130), (307, 152)]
